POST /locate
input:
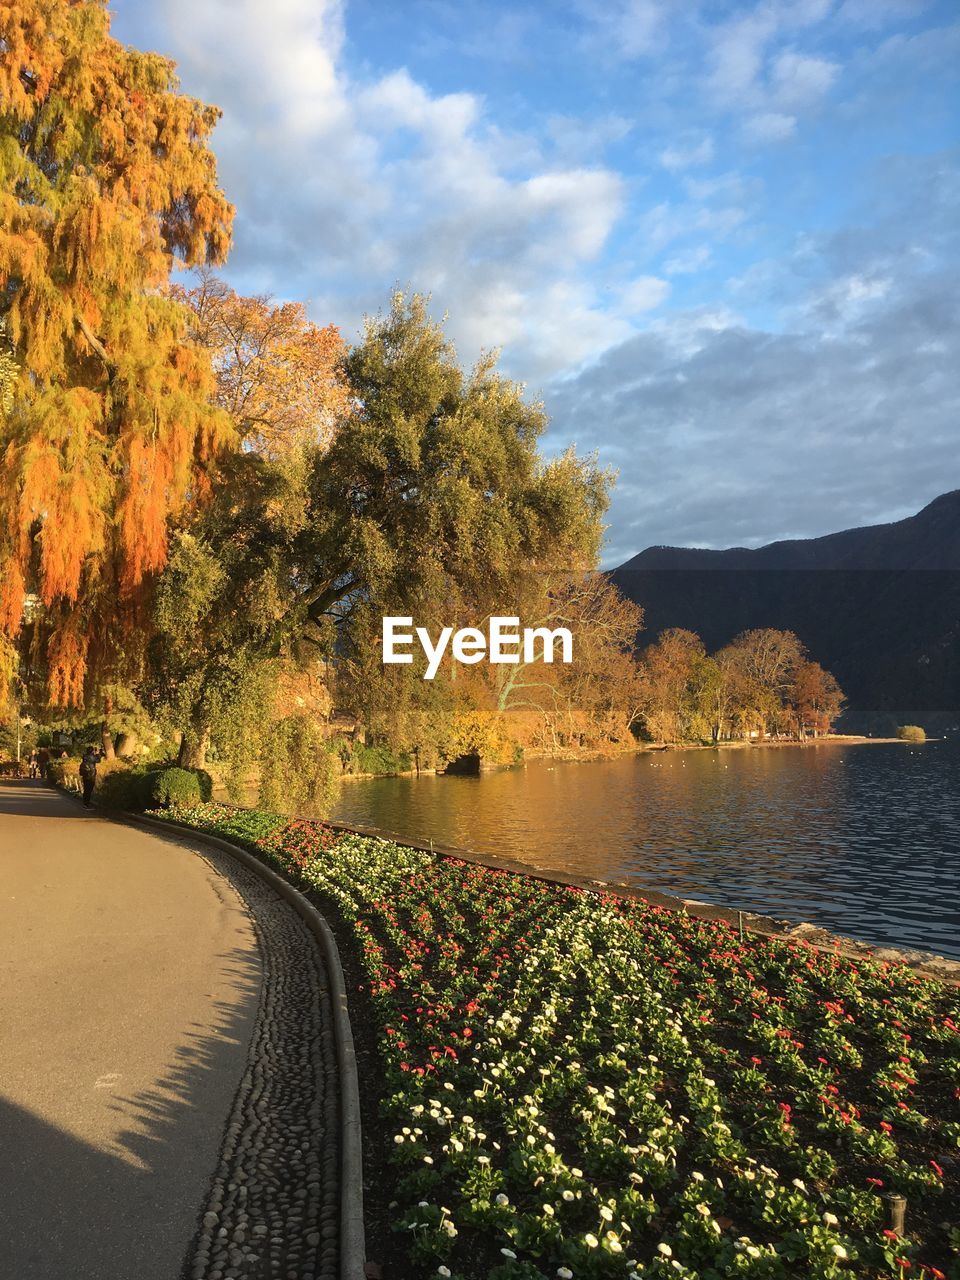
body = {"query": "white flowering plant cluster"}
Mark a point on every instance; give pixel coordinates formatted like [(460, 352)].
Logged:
[(582, 1086)]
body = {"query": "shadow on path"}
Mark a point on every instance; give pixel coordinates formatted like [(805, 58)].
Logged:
[(69, 1211)]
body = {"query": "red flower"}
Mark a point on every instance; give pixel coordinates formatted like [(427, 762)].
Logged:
[(887, 1128), (936, 1168)]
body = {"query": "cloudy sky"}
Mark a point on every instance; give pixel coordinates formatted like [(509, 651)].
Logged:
[(719, 239)]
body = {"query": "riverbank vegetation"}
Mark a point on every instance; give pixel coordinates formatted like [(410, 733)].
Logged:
[(760, 684), (210, 501), (573, 1084)]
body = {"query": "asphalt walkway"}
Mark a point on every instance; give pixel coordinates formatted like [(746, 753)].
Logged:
[(130, 979)]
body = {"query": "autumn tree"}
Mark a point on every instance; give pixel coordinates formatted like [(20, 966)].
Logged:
[(278, 375), (815, 699), (672, 673), (594, 700), (106, 184)]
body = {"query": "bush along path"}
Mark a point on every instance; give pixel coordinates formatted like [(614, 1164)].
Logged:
[(577, 1085), (273, 1207)]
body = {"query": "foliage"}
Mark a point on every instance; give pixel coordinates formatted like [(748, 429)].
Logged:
[(106, 183), (278, 375), (592, 702), (377, 760), (433, 497), (760, 683), (578, 1081), (298, 773), (174, 786), (911, 733), (64, 772), (124, 789)]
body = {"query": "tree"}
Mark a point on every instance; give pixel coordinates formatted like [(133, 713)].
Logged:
[(593, 701), (671, 668), (433, 493), (766, 661), (106, 183), (816, 699), (278, 375)]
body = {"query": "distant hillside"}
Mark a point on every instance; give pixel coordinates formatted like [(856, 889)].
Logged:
[(879, 607)]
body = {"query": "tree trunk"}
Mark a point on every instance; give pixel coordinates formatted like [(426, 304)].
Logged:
[(193, 750), (106, 738), (127, 743)]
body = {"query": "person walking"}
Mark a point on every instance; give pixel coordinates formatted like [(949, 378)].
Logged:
[(88, 775)]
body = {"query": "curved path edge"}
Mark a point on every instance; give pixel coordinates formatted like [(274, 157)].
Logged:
[(352, 1237)]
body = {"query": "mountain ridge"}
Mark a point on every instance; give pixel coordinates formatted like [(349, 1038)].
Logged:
[(879, 606), (890, 546)]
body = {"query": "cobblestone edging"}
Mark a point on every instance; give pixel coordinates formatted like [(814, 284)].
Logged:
[(286, 1201)]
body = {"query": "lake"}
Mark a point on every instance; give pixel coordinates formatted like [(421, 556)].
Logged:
[(861, 839)]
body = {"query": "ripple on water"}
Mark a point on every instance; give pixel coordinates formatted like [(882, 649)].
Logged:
[(864, 840)]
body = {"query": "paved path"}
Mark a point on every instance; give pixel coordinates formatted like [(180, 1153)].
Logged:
[(138, 1000)]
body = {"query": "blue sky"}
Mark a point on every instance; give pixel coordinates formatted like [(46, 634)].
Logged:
[(718, 239)]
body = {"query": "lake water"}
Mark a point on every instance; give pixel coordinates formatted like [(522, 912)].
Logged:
[(863, 840)]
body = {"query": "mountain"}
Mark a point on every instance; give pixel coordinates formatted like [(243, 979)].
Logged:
[(878, 606)]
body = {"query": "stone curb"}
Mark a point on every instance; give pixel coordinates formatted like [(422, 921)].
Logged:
[(352, 1238)]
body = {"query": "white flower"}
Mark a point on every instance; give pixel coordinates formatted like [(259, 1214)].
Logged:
[(665, 1250), (830, 1219), (568, 1195), (800, 1185), (564, 1273), (508, 1253), (606, 1214), (753, 1251), (839, 1251), (590, 1240), (502, 1200), (443, 1271)]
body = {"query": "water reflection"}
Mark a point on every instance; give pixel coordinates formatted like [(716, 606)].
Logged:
[(861, 839)]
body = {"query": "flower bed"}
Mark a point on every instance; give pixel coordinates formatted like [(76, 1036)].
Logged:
[(581, 1085)]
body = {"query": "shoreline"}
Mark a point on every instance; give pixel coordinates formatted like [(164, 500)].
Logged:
[(926, 964), (646, 748)]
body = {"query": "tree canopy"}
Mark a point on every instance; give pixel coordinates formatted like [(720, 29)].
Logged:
[(106, 183)]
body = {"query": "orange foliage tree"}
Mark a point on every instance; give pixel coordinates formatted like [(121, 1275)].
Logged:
[(106, 184), (279, 376)]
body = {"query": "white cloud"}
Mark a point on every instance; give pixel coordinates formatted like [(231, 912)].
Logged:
[(797, 81), (688, 261), (630, 28), (643, 294), (769, 126), (685, 155), (347, 186), (843, 408), (752, 74)]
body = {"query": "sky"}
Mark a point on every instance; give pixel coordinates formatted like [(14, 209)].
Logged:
[(718, 240)]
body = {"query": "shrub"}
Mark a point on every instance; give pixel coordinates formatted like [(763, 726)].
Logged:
[(911, 733), (64, 773), (121, 788), (205, 782), (175, 786), (379, 760)]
